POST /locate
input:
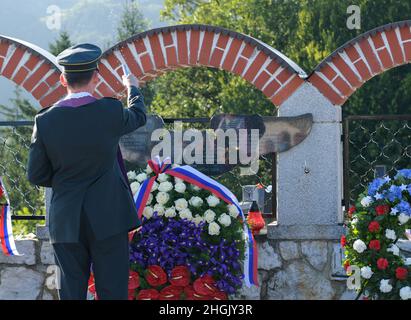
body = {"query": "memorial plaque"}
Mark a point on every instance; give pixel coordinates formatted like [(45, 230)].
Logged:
[(136, 146)]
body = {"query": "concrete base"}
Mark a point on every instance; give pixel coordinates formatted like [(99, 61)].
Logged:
[(304, 232)]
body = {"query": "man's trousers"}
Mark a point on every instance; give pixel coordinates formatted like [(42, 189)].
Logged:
[(109, 259)]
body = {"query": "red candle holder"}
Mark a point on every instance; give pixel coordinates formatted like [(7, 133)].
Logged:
[(255, 219)]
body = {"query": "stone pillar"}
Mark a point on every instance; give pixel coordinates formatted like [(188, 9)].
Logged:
[(309, 185), (42, 231)]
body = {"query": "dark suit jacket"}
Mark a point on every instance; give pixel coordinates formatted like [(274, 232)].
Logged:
[(74, 151)]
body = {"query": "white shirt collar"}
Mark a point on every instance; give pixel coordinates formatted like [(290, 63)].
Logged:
[(77, 95)]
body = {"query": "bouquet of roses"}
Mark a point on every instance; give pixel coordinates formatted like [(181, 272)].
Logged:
[(186, 227), (191, 244), (379, 219)]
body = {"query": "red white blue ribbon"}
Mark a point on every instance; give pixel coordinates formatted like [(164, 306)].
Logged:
[(7, 243), (199, 179)]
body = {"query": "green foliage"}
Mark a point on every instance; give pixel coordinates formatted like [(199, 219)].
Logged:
[(61, 44), (132, 21)]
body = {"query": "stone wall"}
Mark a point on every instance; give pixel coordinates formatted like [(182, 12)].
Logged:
[(300, 270), (29, 276), (288, 269)]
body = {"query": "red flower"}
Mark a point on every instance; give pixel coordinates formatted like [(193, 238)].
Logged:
[(374, 245), (180, 276), (382, 263), (351, 211), (131, 294), (374, 226), (382, 209), (346, 264), (191, 294), (401, 273), (148, 294), (156, 276), (205, 285), (343, 241), (171, 293), (220, 295), (133, 280)]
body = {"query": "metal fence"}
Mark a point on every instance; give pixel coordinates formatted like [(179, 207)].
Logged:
[(373, 146), (27, 201)]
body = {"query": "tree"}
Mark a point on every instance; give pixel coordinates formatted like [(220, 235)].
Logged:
[(61, 44), (132, 21)]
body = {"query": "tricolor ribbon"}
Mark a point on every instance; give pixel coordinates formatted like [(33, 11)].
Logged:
[(7, 243), (199, 179)]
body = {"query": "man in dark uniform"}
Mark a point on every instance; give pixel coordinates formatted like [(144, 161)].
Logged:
[(74, 150)]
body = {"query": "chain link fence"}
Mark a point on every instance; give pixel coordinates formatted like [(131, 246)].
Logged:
[(374, 146)]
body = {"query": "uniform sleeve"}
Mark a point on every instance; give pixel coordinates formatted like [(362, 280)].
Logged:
[(39, 169), (134, 116)]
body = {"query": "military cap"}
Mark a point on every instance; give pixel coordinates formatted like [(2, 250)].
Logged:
[(79, 58)]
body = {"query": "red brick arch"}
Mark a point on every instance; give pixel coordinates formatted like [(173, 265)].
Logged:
[(32, 68), (362, 58), (152, 53)]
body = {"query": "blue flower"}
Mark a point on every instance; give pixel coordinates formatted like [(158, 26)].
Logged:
[(375, 185), (394, 193), (406, 173), (404, 207)]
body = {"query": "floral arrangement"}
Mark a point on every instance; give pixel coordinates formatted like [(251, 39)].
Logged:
[(379, 219), (190, 245)]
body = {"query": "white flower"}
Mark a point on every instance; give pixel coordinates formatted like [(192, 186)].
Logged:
[(366, 272), (165, 186), (131, 175), (159, 208), (378, 196), (180, 187), (186, 214), (198, 219), (209, 215), (354, 221), (181, 204), (394, 249), (150, 198), (148, 169), (407, 261), (196, 201), (385, 286), (162, 177), (134, 187), (162, 197), (359, 246), (154, 187), (178, 180), (394, 211), (195, 188), (233, 211), (141, 177), (170, 212), (224, 219), (148, 212), (213, 229), (390, 234), (405, 293), (366, 201), (212, 201), (403, 218)]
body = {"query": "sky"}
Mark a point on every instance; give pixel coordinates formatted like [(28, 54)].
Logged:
[(92, 21)]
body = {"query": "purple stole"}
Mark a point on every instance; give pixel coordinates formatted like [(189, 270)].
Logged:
[(77, 102)]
